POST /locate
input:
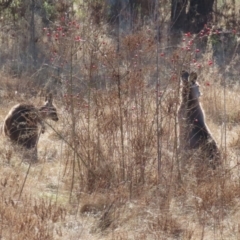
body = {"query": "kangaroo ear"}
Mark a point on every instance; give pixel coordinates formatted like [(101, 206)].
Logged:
[(49, 98), (184, 76), (193, 77)]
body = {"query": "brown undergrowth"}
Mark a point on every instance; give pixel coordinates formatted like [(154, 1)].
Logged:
[(110, 168)]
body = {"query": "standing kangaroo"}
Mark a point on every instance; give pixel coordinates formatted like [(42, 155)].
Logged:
[(193, 131), (21, 124)]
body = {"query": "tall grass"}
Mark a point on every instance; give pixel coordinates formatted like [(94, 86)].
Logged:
[(115, 167)]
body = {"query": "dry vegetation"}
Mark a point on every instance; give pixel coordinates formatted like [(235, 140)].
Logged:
[(110, 169)]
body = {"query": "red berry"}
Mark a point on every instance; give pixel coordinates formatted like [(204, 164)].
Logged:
[(210, 62)]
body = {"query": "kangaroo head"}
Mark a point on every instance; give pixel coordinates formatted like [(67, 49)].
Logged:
[(190, 84), (185, 76), (48, 110), (193, 77)]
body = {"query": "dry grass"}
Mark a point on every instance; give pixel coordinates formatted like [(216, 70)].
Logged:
[(95, 202), (100, 174)]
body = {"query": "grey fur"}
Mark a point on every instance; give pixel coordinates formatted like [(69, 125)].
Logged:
[(193, 131)]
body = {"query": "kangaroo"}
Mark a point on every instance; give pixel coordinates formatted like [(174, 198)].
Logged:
[(21, 125), (193, 131)]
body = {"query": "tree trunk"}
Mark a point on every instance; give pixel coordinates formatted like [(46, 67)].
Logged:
[(178, 14), (143, 7), (33, 50), (199, 14), (129, 11)]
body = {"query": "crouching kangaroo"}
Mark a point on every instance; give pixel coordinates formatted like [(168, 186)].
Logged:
[(21, 125), (193, 131)]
